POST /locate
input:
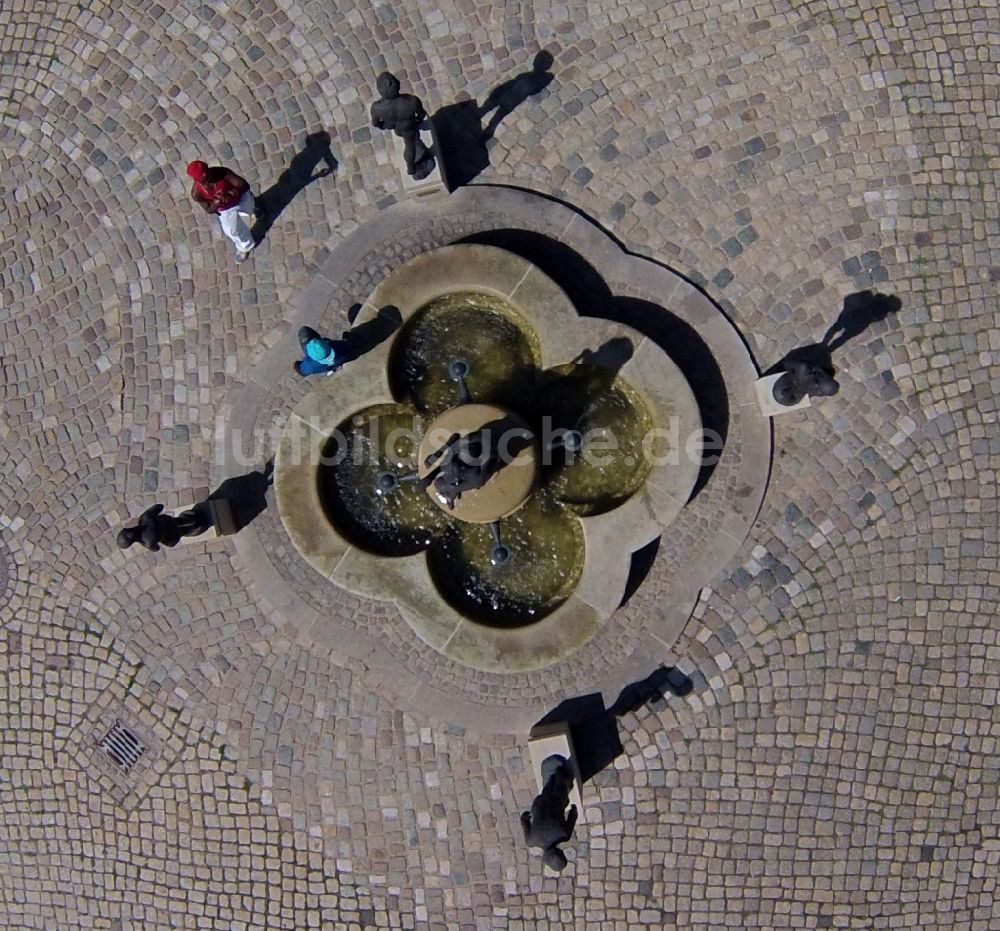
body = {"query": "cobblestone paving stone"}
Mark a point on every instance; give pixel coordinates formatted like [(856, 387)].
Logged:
[(835, 766)]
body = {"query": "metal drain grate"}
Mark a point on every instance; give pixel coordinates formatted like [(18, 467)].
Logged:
[(122, 746)]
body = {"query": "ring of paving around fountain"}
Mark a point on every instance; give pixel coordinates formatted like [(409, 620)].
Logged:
[(470, 620), (373, 635)]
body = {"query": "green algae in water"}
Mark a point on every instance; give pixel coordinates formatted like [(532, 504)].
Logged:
[(478, 328), (380, 439), (547, 552), (615, 423)]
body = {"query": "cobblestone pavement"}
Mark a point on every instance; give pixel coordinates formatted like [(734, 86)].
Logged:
[(835, 765)]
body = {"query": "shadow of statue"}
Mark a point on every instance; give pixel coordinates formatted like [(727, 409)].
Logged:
[(246, 494), (366, 336), (817, 354), (610, 356), (860, 311), (506, 97), (652, 691), (300, 173), (566, 394), (458, 143), (594, 728), (459, 135)]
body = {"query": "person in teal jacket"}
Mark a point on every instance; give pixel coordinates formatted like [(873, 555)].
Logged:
[(322, 356)]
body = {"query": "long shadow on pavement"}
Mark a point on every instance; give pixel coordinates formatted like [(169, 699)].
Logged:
[(300, 173), (860, 310), (459, 134), (246, 494), (594, 728)]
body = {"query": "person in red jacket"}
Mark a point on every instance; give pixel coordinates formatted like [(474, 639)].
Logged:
[(221, 191)]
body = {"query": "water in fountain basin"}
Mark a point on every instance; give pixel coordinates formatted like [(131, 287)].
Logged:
[(478, 328), (546, 558), (544, 537), (382, 439), (615, 424)]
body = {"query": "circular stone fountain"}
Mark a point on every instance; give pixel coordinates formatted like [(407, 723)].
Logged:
[(361, 610), (589, 458)]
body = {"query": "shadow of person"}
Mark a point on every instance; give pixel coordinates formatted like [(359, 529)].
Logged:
[(459, 136), (300, 173), (366, 336), (860, 311), (506, 97), (246, 494)]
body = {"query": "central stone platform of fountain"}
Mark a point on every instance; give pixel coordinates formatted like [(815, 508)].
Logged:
[(602, 423), (509, 487)]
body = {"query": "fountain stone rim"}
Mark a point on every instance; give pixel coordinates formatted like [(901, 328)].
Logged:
[(610, 538), (373, 637)]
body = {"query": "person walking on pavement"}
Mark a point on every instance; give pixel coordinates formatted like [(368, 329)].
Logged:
[(221, 191), (322, 356)]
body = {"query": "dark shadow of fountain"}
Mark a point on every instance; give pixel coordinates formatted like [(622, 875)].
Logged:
[(592, 297), (642, 562)]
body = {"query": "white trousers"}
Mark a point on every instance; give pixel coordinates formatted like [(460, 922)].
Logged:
[(234, 224)]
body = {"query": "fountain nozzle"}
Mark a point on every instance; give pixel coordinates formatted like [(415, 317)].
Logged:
[(458, 369), (571, 441), (386, 482), (500, 554)]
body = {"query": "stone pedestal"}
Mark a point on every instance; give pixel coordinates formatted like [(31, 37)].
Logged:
[(764, 389), (221, 513), (434, 183)]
